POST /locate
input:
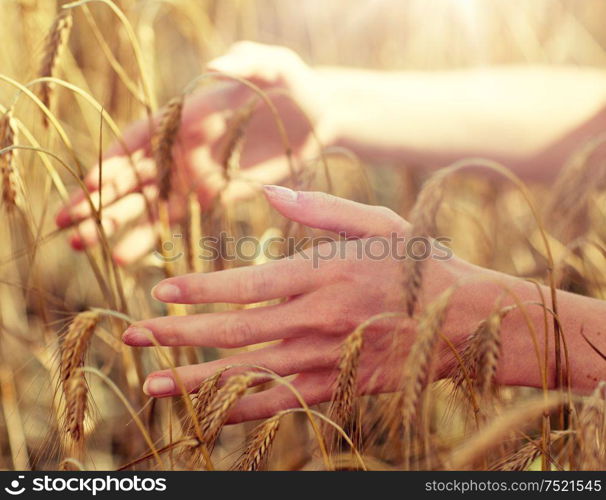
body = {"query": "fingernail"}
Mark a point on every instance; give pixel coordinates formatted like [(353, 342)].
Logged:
[(63, 219), (76, 242), (166, 292), (138, 336), (281, 193), (157, 386)]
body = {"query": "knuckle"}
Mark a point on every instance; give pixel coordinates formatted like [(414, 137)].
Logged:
[(237, 333)]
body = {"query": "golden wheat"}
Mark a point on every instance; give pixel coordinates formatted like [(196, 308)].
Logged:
[(56, 41)]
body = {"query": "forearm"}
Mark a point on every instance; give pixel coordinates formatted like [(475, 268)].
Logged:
[(525, 332), (530, 118)]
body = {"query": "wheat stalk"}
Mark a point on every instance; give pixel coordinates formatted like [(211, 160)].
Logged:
[(423, 221), (73, 351), (75, 343), (56, 41), (259, 445), (76, 394), (205, 394), (342, 403), (235, 136), (418, 362), (522, 458), (592, 429), (8, 168), (163, 142), (487, 350), (220, 406)]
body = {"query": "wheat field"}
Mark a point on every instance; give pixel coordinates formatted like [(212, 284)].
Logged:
[(73, 75)]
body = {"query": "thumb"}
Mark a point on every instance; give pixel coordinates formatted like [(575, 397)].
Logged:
[(331, 213)]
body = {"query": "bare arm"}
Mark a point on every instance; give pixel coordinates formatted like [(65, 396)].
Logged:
[(529, 118), (582, 319)]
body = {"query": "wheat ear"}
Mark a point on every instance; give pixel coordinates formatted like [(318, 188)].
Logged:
[(592, 430), (164, 140), (56, 41), (418, 362), (258, 447), (423, 222), (8, 168), (222, 403), (73, 351)]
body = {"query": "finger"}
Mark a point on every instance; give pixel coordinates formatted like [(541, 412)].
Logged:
[(244, 285), (120, 181), (224, 329), (314, 388), (125, 210), (135, 137), (285, 358), (137, 243), (324, 211)]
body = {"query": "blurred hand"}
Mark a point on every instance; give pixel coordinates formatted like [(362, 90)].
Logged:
[(325, 304), (200, 149)]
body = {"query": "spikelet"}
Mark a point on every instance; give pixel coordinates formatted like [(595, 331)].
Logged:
[(73, 351), (163, 142), (8, 169), (205, 394), (222, 403), (592, 429), (418, 363), (258, 447), (235, 136), (56, 41), (75, 343), (76, 395), (423, 222), (342, 403), (481, 351), (487, 351), (522, 458)]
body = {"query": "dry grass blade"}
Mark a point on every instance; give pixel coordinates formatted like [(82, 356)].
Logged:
[(259, 446), (592, 430), (423, 220), (8, 169), (56, 41), (164, 140)]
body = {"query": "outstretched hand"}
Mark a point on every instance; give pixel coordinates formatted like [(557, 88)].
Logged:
[(324, 303), (200, 150)]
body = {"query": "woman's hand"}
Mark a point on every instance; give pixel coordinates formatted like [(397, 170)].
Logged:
[(327, 297), (201, 146)]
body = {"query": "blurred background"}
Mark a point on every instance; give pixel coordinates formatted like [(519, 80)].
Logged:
[(178, 37)]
